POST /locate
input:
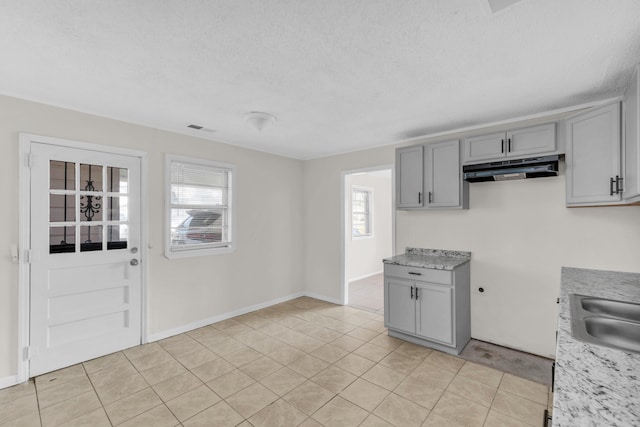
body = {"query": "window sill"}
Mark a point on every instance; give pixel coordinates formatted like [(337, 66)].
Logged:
[(191, 253), (370, 236)]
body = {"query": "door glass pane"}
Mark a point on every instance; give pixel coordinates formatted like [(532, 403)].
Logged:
[(62, 175), (117, 236), (117, 180), (62, 208), (62, 239), (118, 209), (90, 238), (91, 208), (91, 177)]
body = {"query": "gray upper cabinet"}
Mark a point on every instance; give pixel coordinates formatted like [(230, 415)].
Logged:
[(531, 141), (593, 157), (409, 177), (525, 142), (478, 149), (429, 176), (442, 175), (631, 107)]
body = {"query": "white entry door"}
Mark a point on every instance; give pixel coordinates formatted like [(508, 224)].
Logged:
[(85, 273)]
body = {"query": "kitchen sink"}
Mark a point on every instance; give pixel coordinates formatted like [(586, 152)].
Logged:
[(605, 322), (611, 308), (615, 332)]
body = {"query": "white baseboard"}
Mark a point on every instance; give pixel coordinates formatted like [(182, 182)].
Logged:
[(8, 381), (323, 298), (205, 322), (366, 276)]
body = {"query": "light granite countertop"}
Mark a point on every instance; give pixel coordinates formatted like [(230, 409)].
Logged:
[(595, 385), (438, 259)]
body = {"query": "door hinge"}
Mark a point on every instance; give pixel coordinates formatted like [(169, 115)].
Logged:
[(28, 256), (29, 160)]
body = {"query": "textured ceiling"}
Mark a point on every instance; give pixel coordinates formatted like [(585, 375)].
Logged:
[(339, 75)]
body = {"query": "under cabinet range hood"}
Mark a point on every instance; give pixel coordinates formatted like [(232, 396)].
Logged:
[(534, 167)]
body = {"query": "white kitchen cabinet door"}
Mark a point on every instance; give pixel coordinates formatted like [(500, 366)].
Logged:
[(631, 182), (518, 143), (434, 312), (442, 174), (593, 156), (399, 310), (531, 141), (484, 148), (409, 178)]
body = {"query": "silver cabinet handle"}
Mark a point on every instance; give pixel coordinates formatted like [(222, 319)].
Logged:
[(133, 262), (134, 250)]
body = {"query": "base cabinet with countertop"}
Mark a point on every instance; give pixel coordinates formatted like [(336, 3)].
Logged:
[(427, 298)]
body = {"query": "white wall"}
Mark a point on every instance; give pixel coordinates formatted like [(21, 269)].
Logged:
[(519, 232), (363, 254), (266, 265)]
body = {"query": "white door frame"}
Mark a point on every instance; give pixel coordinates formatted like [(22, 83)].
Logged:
[(344, 298), (24, 227)]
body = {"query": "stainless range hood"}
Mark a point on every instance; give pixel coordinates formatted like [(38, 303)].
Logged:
[(535, 167)]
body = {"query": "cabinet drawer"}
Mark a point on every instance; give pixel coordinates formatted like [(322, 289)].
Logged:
[(417, 273)]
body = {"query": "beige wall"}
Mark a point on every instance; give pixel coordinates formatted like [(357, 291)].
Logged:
[(520, 234), (322, 188), (363, 255), (266, 265), (289, 235)]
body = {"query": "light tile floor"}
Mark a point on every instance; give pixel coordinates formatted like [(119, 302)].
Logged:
[(301, 363), (368, 293)]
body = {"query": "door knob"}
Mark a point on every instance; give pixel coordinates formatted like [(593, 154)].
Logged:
[(133, 262)]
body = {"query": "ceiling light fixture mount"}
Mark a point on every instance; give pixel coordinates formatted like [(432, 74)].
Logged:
[(259, 120)]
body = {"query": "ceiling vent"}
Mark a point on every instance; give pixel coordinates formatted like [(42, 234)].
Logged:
[(202, 128)]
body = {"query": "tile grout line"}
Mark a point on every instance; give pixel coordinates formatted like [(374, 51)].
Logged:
[(342, 323)]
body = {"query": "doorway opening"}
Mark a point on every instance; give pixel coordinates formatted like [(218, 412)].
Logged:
[(368, 237)]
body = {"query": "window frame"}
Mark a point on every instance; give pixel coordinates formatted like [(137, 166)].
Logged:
[(170, 159), (369, 191)]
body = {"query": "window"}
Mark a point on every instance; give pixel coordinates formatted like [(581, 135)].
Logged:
[(361, 212), (199, 207)]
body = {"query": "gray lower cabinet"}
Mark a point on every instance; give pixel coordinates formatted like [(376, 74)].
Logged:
[(427, 306)]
